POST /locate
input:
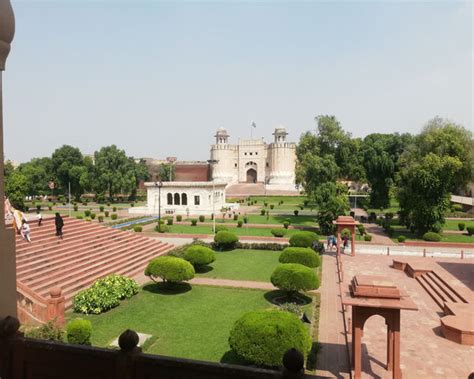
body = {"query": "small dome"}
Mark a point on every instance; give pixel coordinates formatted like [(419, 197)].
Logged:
[(281, 130), (221, 132)]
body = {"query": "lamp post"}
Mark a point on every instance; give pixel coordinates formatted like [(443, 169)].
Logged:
[(213, 162), (7, 246), (159, 185)]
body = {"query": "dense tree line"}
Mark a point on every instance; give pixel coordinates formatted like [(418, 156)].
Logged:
[(420, 170), (109, 173)]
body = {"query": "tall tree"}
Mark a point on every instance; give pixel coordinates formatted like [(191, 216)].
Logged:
[(38, 173), (332, 201), (68, 167), (16, 187), (114, 171)]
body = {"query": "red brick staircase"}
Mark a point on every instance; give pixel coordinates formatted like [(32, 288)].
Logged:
[(88, 251)]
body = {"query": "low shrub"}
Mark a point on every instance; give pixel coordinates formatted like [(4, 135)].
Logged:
[(286, 224), (49, 331), (202, 218), (160, 228), (361, 229), (38, 207), (294, 277), (101, 208), (296, 212), (75, 208), (246, 220), (87, 213), (265, 204), (292, 308), (137, 228), (114, 209), (303, 239), (88, 219), (93, 215), (470, 230), (79, 217), (461, 226), (401, 239), (457, 207), (280, 232), (194, 222), (273, 246), (79, 331), (132, 204), (199, 255), (263, 337), (239, 223), (108, 204), (101, 218), (169, 269), (272, 206), (169, 221), (106, 213), (104, 294), (432, 237), (302, 255), (113, 216), (368, 237), (179, 218), (262, 212), (221, 228), (225, 240), (236, 217), (50, 207)]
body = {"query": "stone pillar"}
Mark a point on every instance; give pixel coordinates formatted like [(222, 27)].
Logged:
[(397, 372), (56, 306), (389, 347), (338, 246), (353, 239), (7, 238)]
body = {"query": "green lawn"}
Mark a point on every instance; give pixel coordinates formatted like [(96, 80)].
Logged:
[(400, 230), (305, 220), (189, 323), (243, 264), (453, 224), (243, 231)]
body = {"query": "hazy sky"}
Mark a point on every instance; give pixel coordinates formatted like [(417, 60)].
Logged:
[(158, 78)]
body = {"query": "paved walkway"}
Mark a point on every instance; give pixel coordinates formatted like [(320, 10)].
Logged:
[(378, 234), (234, 283)]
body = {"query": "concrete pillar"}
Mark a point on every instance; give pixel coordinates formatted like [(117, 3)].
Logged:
[(389, 348), (56, 306), (353, 239), (7, 238), (397, 372)]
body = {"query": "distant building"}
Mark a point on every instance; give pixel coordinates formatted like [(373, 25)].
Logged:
[(184, 198), (255, 161)]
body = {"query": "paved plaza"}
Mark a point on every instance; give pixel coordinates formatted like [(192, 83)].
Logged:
[(424, 352)]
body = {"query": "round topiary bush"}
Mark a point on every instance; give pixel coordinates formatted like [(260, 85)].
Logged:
[(199, 255), (162, 228), (296, 212), (194, 221), (225, 240), (278, 232), (470, 230), (286, 224), (262, 212), (294, 277), (106, 213), (169, 269), (239, 223), (221, 228), (461, 226), (137, 228), (432, 237), (113, 216), (93, 216), (79, 331), (202, 218), (368, 237), (302, 255), (263, 337), (169, 221), (303, 239), (401, 239)]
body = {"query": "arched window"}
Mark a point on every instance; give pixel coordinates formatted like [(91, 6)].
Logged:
[(176, 199), (184, 199), (170, 199)]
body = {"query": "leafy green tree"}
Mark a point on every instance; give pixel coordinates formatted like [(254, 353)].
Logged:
[(313, 171), (166, 172), (68, 167), (8, 169), (38, 173), (424, 191), (332, 201), (16, 188), (329, 134), (114, 171), (349, 160)]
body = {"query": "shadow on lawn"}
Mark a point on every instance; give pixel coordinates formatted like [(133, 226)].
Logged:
[(203, 269), (275, 297), (167, 288), (231, 357)]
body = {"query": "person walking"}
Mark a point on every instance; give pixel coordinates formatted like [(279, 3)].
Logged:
[(329, 246), (25, 231), (346, 241), (59, 222), (40, 218)]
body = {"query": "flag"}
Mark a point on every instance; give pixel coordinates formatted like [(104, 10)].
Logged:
[(253, 124)]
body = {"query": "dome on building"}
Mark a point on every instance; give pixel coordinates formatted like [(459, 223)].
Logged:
[(281, 130), (221, 132)]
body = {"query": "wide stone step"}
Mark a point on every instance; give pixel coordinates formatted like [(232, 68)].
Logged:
[(93, 269), (429, 289), (54, 262), (450, 291)]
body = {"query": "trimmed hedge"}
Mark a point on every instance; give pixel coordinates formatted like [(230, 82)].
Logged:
[(303, 239), (278, 232), (199, 255), (169, 269), (113, 216), (137, 228), (263, 337), (221, 228), (470, 230), (461, 226), (225, 240), (401, 239), (302, 255), (432, 237), (368, 237), (179, 218), (104, 294), (202, 218), (194, 221), (294, 277), (79, 331)]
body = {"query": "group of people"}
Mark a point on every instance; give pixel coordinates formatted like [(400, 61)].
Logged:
[(25, 231), (332, 241)]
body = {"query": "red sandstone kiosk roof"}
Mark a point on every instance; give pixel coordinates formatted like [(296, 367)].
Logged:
[(346, 221), (376, 292)]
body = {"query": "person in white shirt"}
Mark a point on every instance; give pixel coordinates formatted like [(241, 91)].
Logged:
[(25, 231)]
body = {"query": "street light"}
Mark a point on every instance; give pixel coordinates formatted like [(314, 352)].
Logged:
[(212, 162), (159, 185)]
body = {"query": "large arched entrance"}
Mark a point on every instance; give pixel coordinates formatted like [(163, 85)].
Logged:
[(251, 175)]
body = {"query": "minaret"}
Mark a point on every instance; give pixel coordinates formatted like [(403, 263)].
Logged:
[(225, 155), (282, 158)]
